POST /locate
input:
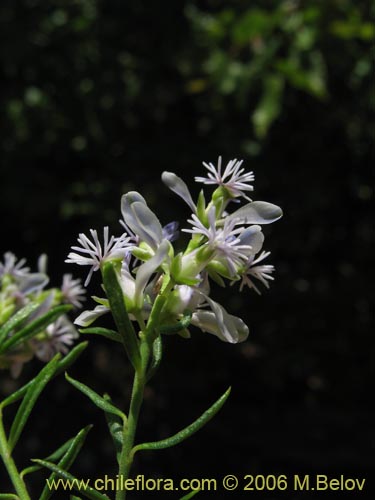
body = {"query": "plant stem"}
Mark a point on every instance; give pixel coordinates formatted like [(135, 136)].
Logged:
[(10, 466), (130, 426)]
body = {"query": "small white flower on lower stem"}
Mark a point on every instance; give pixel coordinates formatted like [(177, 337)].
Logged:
[(94, 253), (72, 291), (234, 178), (261, 273), (60, 336)]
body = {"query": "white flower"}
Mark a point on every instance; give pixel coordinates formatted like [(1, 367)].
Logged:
[(72, 291), (234, 178), (93, 252), (60, 336), (223, 240), (261, 273)]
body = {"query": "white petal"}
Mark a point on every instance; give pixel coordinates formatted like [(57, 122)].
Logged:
[(88, 317), (256, 212), (178, 186)]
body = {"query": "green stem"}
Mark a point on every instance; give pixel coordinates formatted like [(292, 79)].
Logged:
[(10, 466), (130, 425)]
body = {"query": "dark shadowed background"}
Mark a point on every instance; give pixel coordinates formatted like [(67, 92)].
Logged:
[(98, 98)]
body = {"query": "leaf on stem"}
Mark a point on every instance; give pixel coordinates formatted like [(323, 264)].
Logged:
[(17, 319), (157, 353), (76, 483), (34, 327), (115, 426), (100, 402), (188, 431), (181, 325), (66, 461), (63, 364), (30, 398), (8, 496), (120, 314), (104, 332), (51, 458)]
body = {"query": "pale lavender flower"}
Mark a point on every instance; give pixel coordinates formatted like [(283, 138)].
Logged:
[(234, 178), (12, 267), (93, 252), (60, 335), (223, 240), (72, 291), (260, 272)]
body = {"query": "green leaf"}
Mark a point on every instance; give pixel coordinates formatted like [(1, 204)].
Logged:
[(51, 458), (8, 496), (157, 353), (30, 398), (269, 106), (95, 398), (76, 483), (34, 327), (17, 319), (67, 460), (188, 431), (190, 495), (104, 332), (64, 363), (120, 314), (115, 425)]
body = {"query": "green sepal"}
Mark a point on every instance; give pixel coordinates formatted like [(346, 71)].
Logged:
[(190, 495), (157, 353), (215, 276), (95, 398), (30, 398), (115, 426), (89, 493), (201, 208), (67, 460), (119, 313), (56, 455), (104, 332), (17, 319), (63, 365), (34, 327), (187, 431), (183, 323)]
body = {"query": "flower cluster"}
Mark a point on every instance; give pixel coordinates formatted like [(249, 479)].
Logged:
[(25, 307), (224, 246)]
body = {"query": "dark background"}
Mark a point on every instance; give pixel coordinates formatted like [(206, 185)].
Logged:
[(99, 97)]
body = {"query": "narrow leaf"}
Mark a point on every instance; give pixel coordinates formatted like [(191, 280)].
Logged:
[(34, 327), (17, 319), (115, 426), (76, 483), (120, 314), (104, 332), (8, 496), (95, 398), (67, 460), (30, 398), (157, 353), (51, 458), (188, 431), (64, 363)]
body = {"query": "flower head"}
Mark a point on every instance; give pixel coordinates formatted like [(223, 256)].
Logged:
[(261, 273), (12, 267), (60, 335), (93, 252), (234, 178), (72, 291)]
